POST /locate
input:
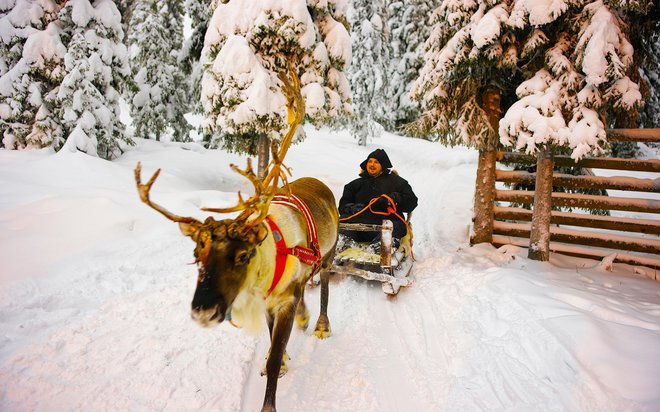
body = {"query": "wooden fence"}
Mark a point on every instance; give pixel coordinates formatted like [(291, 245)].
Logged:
[(634, 240)]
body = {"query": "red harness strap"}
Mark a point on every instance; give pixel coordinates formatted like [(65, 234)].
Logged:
[(309, 256)]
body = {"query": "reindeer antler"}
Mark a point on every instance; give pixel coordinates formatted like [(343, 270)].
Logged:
[(295, 106), (143, 190), (252, 202), (265, 190)]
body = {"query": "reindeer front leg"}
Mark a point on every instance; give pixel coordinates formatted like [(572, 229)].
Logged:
[(322, 329), (270, 320), (280, 333)]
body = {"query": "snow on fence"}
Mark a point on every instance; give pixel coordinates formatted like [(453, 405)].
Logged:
[(634, 240)]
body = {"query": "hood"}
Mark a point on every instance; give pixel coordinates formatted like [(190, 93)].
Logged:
[(381, 156)]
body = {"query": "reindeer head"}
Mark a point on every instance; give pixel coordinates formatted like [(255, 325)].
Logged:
[(223, 252), (224, 258), (224, 249)]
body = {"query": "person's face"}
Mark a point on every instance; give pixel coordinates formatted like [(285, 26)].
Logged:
[(373, 167)]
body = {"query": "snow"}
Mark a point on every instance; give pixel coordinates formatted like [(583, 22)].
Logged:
[(82, 12), (604, 45), (544, 11), (95, 292), (44, 45), (337, 40), (240, 15), (487, 29)]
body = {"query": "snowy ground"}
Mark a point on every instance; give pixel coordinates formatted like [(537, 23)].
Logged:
[(95, 289)]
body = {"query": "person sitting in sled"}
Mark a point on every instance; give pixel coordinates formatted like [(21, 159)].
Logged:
[(376, 195)]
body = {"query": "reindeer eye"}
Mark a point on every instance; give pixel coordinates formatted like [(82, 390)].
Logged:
[(242, 258)]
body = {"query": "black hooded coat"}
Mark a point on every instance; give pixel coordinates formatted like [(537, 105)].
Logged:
[(358, 193)]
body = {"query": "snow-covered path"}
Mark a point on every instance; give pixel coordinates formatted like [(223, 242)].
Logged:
[(95, 293)]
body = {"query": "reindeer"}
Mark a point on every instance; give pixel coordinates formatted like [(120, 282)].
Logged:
[(260, 262)]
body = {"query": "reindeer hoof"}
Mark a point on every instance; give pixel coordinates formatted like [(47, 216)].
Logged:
[(322, 329), (322, 334)]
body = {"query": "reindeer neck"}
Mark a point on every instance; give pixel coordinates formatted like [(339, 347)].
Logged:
[(281, 269)]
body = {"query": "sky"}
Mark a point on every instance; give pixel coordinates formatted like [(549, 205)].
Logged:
[(95, 291)]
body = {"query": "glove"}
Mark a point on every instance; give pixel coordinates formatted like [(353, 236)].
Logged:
[(351, 208), (381, 204), (356, 208)]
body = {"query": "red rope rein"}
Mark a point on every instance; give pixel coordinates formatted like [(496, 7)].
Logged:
[(391, 210)]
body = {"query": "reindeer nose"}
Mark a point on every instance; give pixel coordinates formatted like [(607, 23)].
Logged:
[(195, 315), (209, 316)]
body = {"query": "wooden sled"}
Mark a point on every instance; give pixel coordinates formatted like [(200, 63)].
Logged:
[(392, 268)]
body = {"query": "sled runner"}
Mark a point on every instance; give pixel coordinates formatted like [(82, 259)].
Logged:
[(392, 268)]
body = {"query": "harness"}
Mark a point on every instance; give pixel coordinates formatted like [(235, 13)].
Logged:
[(309, 256)]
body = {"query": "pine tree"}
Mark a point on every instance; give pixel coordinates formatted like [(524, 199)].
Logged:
[(126, 9), (586, 73), (158, 101), (368, 68), (96, 64), (248, 43), (31, 68), (409, 25), (647, 40), (200, 12), (558, 65)]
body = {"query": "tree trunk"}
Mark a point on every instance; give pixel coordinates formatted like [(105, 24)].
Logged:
[(539, 239), (263, 153), (484, 194), (484, 198)]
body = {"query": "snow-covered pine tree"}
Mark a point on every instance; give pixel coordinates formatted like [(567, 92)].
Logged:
[(573, 57), (126, 9), (650, 116), (248, 43), (199, 12), (96, 64), (368, 70), (647, 40), (158, 100), (409, 25), (586, 71), (31, 68)]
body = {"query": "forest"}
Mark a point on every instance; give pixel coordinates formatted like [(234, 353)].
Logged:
[(562, 71)]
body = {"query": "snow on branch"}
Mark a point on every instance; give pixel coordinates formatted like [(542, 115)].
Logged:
[(602, 52)]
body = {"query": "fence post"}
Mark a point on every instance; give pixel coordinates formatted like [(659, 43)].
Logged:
[(484, 192), (539, 237)]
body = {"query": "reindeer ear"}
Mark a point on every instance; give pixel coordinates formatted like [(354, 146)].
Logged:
[(262, 232), (188, 229)]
